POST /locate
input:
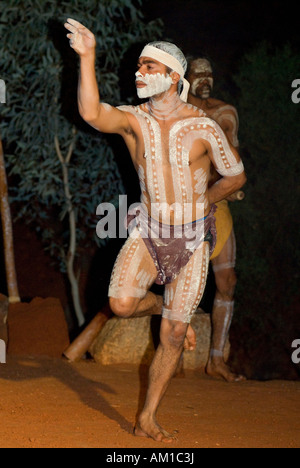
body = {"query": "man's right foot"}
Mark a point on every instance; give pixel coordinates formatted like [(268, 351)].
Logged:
[(153, 431)]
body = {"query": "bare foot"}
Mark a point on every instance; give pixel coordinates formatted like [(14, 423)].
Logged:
[(190, 339), (217, 368), (153, 430)]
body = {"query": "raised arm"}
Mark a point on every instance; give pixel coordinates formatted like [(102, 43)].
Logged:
[(103, 117)]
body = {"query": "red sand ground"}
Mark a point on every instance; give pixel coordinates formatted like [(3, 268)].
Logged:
[(50, 403), (47, 402)]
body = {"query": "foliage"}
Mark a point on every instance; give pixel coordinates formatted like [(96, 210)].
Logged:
[(267, 221), (41, 73)]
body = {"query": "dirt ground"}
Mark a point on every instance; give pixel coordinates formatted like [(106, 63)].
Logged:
[(51, 403), (47, 402)]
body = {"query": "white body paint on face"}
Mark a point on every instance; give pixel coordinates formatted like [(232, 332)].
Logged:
[(206, 90), (202, 66), (155, 84)]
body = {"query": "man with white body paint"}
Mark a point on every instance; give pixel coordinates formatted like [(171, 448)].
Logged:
[(200, 76), (172, 146)]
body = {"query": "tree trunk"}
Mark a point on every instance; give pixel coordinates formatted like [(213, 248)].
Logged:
[(11, 276), (70, 257)]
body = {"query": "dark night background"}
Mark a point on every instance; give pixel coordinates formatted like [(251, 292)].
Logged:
[(225, 30), (222, 31)]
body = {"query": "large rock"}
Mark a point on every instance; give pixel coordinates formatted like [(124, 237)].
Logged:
[(124, 341), (131, 341)]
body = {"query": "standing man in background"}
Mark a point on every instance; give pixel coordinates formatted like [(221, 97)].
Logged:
[(200, 77)]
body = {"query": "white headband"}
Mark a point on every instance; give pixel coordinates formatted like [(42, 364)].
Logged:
[(171, 62)]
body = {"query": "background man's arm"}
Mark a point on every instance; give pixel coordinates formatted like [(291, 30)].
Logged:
[(229, 122)]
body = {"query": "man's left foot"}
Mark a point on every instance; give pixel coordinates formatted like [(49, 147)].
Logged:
[(218, 368)]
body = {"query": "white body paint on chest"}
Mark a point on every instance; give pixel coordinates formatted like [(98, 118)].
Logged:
[(179, 184)]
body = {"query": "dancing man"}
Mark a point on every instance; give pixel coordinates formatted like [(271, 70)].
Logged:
[(200, 77), (172, 145)]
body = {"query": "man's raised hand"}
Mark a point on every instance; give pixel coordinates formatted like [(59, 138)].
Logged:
[(81, 39)]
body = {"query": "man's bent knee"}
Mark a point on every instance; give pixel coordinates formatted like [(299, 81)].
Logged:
[(123, 307)]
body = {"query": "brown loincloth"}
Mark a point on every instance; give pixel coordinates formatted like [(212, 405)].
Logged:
[(171, 246)]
